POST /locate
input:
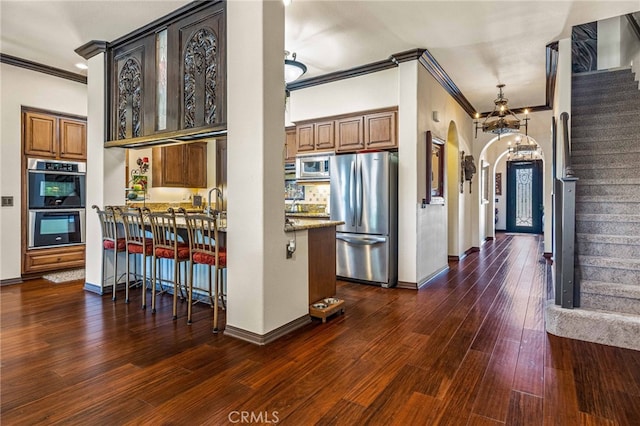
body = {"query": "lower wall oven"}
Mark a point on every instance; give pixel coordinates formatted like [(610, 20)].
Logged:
[(54, 228)]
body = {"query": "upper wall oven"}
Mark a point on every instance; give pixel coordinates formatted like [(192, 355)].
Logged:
[(56, 184)]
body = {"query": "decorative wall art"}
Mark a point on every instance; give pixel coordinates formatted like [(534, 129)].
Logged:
[(498, 183), (435, 167)]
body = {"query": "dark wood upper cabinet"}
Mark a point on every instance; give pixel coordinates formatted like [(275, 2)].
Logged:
[(170, 75)]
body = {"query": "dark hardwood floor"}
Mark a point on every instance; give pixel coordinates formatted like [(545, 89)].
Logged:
[(468, 349)]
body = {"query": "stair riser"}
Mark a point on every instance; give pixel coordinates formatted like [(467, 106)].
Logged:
[(611, 121), (605, 76), (607, 208), (603, 97), (610, 303), (608, 228), (629, 132), (579, 147), (597, 109), (617, 173), (602, 89), (612, 275), (608, 250), (630, 191), (629, 158)]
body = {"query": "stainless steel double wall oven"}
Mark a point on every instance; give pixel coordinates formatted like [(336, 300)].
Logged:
[(56, 196)]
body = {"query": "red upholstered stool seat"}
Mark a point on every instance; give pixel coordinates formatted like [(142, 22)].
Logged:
[(137, 248), (109, 244), (209, 259), (167, 253)]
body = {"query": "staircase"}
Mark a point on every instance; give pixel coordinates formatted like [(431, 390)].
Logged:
[(605, 140)]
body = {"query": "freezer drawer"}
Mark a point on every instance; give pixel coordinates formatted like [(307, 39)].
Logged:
[(362, 257)]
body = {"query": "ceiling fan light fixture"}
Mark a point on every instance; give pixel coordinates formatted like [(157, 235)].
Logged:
[(293, 69), (501, 120)]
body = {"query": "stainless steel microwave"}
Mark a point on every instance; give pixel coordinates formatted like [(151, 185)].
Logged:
[(313, 167)]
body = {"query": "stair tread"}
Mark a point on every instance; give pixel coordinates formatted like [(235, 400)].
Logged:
[(597, 217), (628, 240), (605, 199), (608, 262), (609, 181), (611, 289)]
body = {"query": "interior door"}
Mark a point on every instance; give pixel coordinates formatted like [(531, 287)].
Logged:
[(524, 196)]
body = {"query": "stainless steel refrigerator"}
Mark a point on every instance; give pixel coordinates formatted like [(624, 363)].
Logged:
[(364, 195)]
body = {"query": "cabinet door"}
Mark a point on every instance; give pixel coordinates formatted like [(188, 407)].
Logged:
[(199, 43), (380, 130), (350, 134), (168, 166), (133, 95), (40, 134), (196, 165), (290, 145), (73, 139), (304, 137), (324, 135)]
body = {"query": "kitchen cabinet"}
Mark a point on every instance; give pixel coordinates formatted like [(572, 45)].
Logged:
[(350, 132), (183, 166), (317, 136), (376, 129), (53, 259), (171, 76), (380, 130), (290, 147), (51, 135)]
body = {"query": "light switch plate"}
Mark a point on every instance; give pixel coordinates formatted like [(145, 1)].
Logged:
[(7, 201)]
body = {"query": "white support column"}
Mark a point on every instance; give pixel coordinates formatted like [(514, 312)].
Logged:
[(105, 171), (265, 290)]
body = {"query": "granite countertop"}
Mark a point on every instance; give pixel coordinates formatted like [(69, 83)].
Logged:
[(299, 224), (308, 215)]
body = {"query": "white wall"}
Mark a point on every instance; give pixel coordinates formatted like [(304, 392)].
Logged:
[(370, 91), (617, 43), (21, 87)]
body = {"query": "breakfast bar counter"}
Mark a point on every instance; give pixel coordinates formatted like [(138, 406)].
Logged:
[(321, 240)]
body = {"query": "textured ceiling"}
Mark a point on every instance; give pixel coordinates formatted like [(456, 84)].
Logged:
[(478, 43)]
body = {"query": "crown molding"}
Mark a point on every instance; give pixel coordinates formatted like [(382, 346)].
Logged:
[(45, 69), (433, 67), (370, 68), (92, 48)]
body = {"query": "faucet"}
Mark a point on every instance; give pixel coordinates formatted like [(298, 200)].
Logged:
[(293, 205), (218, 196)]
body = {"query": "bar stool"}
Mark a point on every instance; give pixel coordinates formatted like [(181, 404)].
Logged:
[(166, 245), (111, 242), (137, 243), (204, 249)]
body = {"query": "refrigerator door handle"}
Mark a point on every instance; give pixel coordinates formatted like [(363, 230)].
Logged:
[(362, 241), (361, 196), (352, 193)]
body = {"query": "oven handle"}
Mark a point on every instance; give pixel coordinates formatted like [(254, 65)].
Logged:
[(53, 172), (56, 210)]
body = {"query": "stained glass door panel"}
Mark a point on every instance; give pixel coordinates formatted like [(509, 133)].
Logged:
[(524, 196)]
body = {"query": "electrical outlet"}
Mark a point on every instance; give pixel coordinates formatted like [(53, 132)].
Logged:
[(7, 201), (291, 248)]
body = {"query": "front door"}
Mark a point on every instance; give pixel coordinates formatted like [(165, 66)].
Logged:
[(524, 196)]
